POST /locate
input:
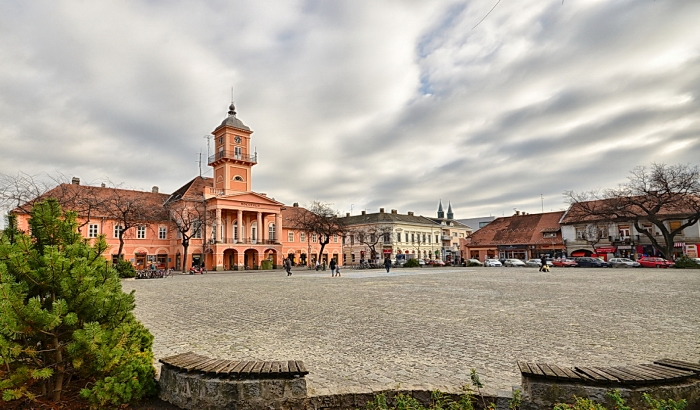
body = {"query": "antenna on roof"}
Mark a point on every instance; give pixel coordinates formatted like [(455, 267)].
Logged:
[(542, 199), (200, 163), (231, 94), (208, 137)]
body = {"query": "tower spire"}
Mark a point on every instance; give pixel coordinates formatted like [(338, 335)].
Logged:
[(440, 212), (450, 215)]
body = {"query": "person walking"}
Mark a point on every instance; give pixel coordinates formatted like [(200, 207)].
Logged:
[(288, 266), (332, 265), (387, 264), (543, 262)]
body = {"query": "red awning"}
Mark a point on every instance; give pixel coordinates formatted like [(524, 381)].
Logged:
[(606, 249)]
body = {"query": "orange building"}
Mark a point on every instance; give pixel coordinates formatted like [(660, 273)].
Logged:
[(229, 226)]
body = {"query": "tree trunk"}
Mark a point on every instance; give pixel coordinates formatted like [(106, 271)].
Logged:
[(121, 245), (184, 256), (60, 370)]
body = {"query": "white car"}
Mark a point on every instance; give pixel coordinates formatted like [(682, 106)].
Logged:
[(516, 263), (623, 263), (474, 262), (492, 262)]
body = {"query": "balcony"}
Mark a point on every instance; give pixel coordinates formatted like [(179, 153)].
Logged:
[(249, 241), (232, 155), (446, 238)]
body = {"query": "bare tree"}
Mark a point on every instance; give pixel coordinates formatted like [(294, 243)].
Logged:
[(370, 236), (593, 235), (130, 210), (660, 195), (189, 218), (320, 219)]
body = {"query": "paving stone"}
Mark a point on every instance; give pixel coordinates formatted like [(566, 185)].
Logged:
[(422, 328)]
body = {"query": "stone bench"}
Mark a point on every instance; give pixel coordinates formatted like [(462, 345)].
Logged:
[(546, 384), (193, 381)]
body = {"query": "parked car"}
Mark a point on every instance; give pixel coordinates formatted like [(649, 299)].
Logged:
[(696, 260), (653, 262), (623, 263), (516, 263), (474, 262), (421, 262), (533, 263), (492, 262), (436, 262), (588, 262), (564, 263)]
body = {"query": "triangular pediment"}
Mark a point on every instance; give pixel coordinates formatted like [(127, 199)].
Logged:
[(249, 197)]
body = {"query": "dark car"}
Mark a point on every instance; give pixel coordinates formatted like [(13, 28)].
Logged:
[(587, 262)]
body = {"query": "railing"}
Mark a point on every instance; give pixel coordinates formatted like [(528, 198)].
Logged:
[(233, 155), (446, 238), (249, 241)]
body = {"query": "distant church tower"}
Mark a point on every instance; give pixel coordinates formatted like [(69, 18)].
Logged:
[(232, 160), (450, 215), (441, 213)]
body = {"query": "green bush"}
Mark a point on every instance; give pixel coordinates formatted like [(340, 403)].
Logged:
[(64, 316), (439, 401), (411, 263), (125, 269), (685, 262), (266, 264)]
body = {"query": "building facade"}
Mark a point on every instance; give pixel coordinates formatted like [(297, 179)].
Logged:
[(229, 226)]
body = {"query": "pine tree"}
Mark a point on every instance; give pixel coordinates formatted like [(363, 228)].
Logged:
[(64, 317)]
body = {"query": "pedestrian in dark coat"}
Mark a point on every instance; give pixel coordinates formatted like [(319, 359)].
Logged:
[(543, 261), (387, 264), (288, 266), (332, 265)]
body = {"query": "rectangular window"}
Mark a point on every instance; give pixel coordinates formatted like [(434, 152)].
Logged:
[(140, 232), (648, 228), (581, 234), (406, 234), (162, 232), (413, 237), (398, 237), (117, 230), (387, 238), (302, 237), (290, 237), (335, 238), (549, 234), (436, 239), (454, 234), (429, 238), (673, 225), (197, 230), (238, 152), (313, 238), (92, 231), (352, 257), (623, 231)]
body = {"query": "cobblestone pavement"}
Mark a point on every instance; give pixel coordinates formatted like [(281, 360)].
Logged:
[(425, 328)]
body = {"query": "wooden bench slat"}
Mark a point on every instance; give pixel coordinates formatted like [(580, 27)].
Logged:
[(546, 370), (247, 368), (592, 374), (211, 367), (266, 367), (238, 367), (195, 363), (176, 359), (582, 375), (623, 376), (603, 373), (524, 368), (650, 374), (678, 364), (301, 367), (669, 371), (535, 369), (230, 366), (292, 366), (258, 367), (186, 361), (571, 374), (561, 374), (201, 365), (285, 367), (276, 367)]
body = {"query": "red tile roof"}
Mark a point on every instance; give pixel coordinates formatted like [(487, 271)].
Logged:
[(519, 229)]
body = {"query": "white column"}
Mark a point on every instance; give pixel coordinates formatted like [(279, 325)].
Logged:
[(241, 235), (261, 228)]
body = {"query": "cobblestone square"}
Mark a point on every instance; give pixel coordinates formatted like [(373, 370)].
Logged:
[(426, 328)]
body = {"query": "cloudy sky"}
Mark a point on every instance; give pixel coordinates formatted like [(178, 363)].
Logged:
[(362, 104)]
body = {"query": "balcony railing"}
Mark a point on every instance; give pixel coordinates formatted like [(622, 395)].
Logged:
[(446, 237), (253, 159), (249, 241)]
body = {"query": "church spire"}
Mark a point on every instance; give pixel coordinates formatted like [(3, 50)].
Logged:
[(450, 215), (440, 213)]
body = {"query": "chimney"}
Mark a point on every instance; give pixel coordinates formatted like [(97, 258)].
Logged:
[(517, 212), (103, 185), (154, 190), (296, 205), (347, 214), (363, 212), (75, 181), (410, 213), (394, 211), (381, 210)]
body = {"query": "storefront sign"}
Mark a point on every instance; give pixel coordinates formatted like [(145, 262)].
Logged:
[(606, 249), (624, 247)]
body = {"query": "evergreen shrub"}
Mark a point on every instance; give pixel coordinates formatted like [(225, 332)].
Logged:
[(685, 262), (64, 317), (125, 269), (411, 263)]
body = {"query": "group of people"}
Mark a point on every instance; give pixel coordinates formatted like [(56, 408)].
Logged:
[(335, 268)]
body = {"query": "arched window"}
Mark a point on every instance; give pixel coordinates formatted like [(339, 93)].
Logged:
[(271, 232), (238, 178)]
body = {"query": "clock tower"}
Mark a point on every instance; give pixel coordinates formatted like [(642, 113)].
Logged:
[(233, 159)]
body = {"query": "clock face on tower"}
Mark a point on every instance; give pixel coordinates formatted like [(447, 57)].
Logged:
[(237, 139)]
